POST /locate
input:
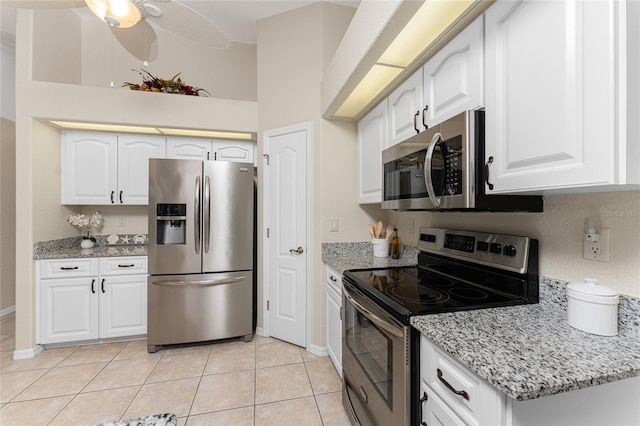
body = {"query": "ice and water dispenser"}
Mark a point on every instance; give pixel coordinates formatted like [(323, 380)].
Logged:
[(171, 224)]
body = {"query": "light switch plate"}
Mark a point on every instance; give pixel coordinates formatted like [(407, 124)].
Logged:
[(333, 224)]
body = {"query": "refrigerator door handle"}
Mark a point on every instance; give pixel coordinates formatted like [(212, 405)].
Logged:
[(196, 227), (207, 213), (205, 283)]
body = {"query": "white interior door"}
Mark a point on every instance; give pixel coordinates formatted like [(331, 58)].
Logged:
[(287, 254)]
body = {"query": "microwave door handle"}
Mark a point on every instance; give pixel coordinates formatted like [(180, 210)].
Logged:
[(196, 215), (437, 138), (206, 208)]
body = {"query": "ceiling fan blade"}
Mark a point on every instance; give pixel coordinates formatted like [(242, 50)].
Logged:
[(139, 40), (186, 22), (44, 4)]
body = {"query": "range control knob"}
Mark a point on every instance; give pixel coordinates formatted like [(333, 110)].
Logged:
[(509, 250), (482, 246), (495, 248)]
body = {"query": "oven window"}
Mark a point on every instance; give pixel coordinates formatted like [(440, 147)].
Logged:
[(372, 348)]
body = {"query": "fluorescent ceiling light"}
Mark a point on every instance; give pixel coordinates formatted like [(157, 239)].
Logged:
[(378, 77), (424, 28), (153, 130), (429, 22)]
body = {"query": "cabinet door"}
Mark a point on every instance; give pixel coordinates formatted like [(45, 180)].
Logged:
[(238, 151), (453, 78), (89, 168), (134, 152), (69, 309), (372, 137), (550, 94), (334, 328), (436, 412), (404, 103), (123, 306), (189, 148)]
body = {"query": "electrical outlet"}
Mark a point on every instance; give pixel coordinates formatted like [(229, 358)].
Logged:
[(597, 248), (412, 226), (122, 221), (333, 224)]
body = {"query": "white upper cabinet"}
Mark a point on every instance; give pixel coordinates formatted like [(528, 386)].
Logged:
[(238, 151), (453, 77), (372, 137), (556, 95), (134, 152), (189, 148), (89, 168), (405, 106), (105, 168)]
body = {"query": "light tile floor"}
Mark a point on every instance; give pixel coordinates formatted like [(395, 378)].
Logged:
[(264, 382)]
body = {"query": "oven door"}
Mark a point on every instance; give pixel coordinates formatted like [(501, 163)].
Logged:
[(375, 363)]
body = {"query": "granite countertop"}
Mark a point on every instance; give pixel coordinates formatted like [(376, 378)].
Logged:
[(531, 351), (106, 246), (359, 255)]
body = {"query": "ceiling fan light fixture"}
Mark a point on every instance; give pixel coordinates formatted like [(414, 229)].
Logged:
[(118, 13)]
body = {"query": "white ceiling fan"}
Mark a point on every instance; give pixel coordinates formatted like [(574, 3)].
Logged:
[(170, 15)]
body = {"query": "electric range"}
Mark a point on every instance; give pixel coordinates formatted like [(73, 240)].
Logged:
[(457, 270)]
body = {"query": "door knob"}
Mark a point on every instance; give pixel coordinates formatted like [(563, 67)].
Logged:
[(299, 250)]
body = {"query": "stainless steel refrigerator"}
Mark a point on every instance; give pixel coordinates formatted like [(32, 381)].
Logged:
[(201, 251)]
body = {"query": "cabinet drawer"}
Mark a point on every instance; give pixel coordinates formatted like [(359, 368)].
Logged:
[(128, 265), (438, 369), (334, 280), (63, 268)]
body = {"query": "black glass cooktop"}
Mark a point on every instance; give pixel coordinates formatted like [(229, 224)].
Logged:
[(420, 291)]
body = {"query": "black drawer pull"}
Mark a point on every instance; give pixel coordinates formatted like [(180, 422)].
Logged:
[(92, 283), (463, 394), (126, 266), (102, 288), (68, 268), (332, 278), (422, 401)]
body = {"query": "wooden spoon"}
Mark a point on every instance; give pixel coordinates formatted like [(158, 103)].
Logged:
[(379, 229), (389, 231), (372, 231)]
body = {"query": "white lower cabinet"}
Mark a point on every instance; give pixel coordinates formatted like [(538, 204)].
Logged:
[(443, 402), (334, 318), (87, 299)]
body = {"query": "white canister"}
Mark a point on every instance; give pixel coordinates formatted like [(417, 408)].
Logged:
[(380, 247), (592, 308)]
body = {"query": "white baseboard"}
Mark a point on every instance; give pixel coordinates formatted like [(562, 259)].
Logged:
[(7, 311), (27, 353), (260, 331), (317, 350)]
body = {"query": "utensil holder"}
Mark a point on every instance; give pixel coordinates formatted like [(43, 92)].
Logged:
[(380, 247)]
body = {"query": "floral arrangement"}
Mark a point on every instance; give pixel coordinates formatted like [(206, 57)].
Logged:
[(151, 83), (86, 224)]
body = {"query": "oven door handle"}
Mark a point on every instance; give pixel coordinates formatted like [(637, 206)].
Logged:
[(437, 138), (373, 317)]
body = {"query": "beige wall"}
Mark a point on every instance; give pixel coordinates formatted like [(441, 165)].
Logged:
[(560, 231), (7, 213), (90, 53), (293, 50)]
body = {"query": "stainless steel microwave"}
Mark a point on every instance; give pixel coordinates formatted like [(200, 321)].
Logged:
[(443, 168)]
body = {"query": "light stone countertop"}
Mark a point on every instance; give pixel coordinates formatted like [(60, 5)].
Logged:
[(106, 246), (526, 352)]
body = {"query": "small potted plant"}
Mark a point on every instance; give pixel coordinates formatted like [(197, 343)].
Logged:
[(86, 224)]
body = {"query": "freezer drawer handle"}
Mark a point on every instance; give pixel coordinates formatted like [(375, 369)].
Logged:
[(206, 283), (463, 394)]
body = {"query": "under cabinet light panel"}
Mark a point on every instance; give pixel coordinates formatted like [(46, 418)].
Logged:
[(378, 77), (207, 134)]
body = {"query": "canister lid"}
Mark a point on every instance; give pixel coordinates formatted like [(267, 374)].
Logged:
[(592, 288)]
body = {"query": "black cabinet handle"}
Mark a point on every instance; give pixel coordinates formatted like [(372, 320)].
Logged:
[(422, 401), (120, 197), (92, 283), (424, 117), (463, 394), (486, 173), (332, 278), (112, 193), (68, 268), (415, 125), (126, 266), (102, 288)]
